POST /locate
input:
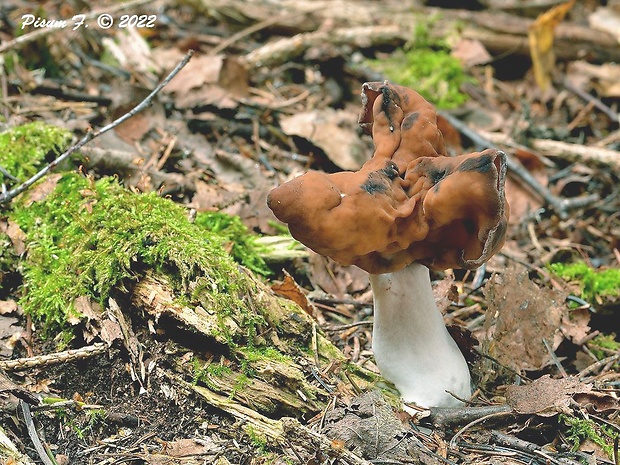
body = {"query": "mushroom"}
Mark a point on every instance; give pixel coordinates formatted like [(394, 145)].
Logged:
[(409, 208)]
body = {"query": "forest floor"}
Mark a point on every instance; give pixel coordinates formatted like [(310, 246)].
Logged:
[(272, 90)]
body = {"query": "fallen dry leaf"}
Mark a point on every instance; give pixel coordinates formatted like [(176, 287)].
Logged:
[(189, 447), (41, 190), (10, 332), (597, 402), (471, 52), (519, 318), (607, 19), (7, 306), (576, 325), (210, 80), (541, 35), (604, 78), (15, 234), (545, 396), (289, 289), (333, 132), (445, 292), (334, 278)]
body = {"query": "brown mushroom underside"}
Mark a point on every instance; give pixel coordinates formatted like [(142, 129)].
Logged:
[(409, 202)]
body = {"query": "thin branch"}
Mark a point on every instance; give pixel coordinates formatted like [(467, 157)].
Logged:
[(53, 359), (8, 175), (255, 28), (90, 135), (614, 116)]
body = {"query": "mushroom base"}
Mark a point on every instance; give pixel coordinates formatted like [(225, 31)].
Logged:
[(411, 343)]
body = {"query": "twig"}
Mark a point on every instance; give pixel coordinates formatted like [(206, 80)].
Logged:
[(597, 365), (447, 417), (459, 433), (560, 205), (34, 35), (528, 447), (564, 150), (8, 175), (614, 116), (54, 359), (90, 135), (255, 28), (348, 326), (554, 358), (34, 436)]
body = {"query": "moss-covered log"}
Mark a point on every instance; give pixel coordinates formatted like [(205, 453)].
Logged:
[(94, 240)]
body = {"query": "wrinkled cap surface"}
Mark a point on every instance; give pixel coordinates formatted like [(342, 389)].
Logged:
[(408, 203)]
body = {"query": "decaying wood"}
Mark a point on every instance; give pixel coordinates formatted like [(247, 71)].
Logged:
[(499, 32), (563, 150), (448, 417), (286, 431), (53, 359), (278, 52), (279, 385)]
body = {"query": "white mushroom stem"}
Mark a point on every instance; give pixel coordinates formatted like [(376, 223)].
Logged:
[(411, 344)]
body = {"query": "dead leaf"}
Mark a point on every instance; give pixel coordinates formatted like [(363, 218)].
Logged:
[(597, 402), (110, 331), (289, 289), (7, 306), (519, 318), (334, 278), (545, 396), (132, 51), (541, 35), (445, 292), (136, 127), (10, 332), (575, 326), (333, 132), (210, 80), (607, 19), (42, 189), (521, 199), (207, 197), (42, 385), (471, 52), (605, 78), (15, 234), (189, 447)]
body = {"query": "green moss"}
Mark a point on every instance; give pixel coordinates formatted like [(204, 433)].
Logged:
[(603, 341), (594, 285), (238, 239), (242, 382), (580, 430), (202, 371), (8, 260), (258, 439), (87, 238), (25, 149), (426, 66)]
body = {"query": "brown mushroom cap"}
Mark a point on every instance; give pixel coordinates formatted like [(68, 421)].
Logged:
[(409, 202)]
